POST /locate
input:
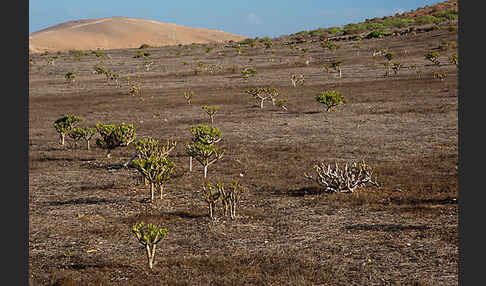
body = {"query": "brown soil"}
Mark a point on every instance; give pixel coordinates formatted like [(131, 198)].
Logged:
[(288, 232)]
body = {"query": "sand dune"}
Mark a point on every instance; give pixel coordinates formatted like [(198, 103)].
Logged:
[(120, 33)]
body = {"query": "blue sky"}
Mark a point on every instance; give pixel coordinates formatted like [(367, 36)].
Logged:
[(251, 18)]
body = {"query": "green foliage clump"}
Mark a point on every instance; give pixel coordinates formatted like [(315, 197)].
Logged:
[(330, 98), (377, 34), (329, 44), (64, 125), (114, 136), (149, 235), (157, 170)]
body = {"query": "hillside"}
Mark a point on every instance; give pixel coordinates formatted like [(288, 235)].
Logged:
[(120, 33)]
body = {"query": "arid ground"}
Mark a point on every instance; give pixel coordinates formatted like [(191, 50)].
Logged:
[(288, 231)]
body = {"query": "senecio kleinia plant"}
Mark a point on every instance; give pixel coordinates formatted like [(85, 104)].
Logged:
[(86, 133), (433, 57), (330, 98), (157, 170), (114, 136), (203, 146), (149, 235), (211, 111), (70, 77), (262, 94), (188, 96), (64, 125), (229, 197), (342, 180)]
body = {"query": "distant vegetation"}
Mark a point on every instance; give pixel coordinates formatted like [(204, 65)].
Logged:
[(381, 25)]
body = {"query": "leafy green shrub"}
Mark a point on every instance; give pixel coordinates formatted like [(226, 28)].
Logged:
[(209, 49), (329, 44), (427, 19), (203, 148), (114, 136), (377, 34), (330, 98), (211, 111), (396, 67), (64, 125), (149, 235), (98, 54)]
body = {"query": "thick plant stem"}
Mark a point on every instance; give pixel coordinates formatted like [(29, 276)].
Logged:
[(62, 136), (161, 189), (149, 256), (205, 171), (152, 190), (190, 163)]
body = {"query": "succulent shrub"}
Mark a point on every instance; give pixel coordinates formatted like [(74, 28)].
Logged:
[(336, 65), (396, 67), (203, 146), (149, 235), (297, 79), (377, 34), (157, 170), (114, 136), (86, 133), (453, 59), (188, 96), (342, 180), (433, 57), (210, 196), (76, 134), (211, 111), (64, 125), (330, 98), (247, 72), (440, 75), (262, 94), (99, 69), (231, 197), (70, 77)]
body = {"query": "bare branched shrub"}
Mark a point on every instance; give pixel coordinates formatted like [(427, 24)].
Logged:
[(342, 180), (297, 79)]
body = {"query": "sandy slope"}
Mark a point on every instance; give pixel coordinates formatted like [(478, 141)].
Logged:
[(118, 33)]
